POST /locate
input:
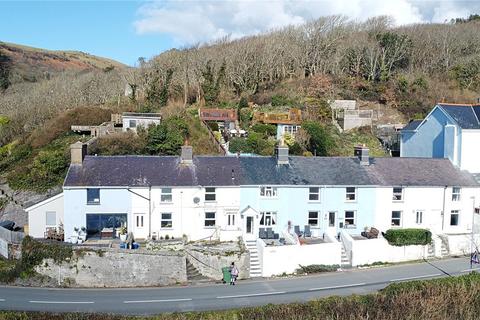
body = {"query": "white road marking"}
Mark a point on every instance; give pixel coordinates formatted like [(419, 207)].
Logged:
[(154, 301), (252, 295), (61, 302), (2, 300), (338, 287), (417, 277), (469, 270)]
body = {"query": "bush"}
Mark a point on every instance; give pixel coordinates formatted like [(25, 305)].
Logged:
[(281, 101), (267, 130), (408, 237), (124, 143), (320, 140), (317, 268), (167, 137)]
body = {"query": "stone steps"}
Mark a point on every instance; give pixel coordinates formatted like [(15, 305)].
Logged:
[(255, 268), (193, 275), (345, 261)]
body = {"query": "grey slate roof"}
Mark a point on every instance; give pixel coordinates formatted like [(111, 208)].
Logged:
[(466, 116), (412, 125), (142, 171)]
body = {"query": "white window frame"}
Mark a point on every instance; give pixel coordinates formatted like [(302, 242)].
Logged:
[(397, 196), (214, 219), (165, 194), (165, 219), (310, 194), (269, 218), (268, 192), (46, 219), (130, 121), (457, 213), (95, 201), (210, 191), (139, 220), (456, 193), (354, 219), (399, 219), (291, 129), (311, 219), (419, 214), (231, 219), (347, 193)]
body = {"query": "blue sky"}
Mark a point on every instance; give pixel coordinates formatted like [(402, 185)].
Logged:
[(125, 30), (103, 28)]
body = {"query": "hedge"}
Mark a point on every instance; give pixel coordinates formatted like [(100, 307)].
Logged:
[(408, 237)]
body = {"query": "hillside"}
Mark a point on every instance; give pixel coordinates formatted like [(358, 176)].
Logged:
[(33, 64)]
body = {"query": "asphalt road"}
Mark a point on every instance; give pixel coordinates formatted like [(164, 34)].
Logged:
[(143, 301)]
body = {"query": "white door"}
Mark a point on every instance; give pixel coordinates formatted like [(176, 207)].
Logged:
[(249, 228), (332, 221)]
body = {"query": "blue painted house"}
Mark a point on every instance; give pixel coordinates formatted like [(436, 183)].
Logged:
[(449, 131)]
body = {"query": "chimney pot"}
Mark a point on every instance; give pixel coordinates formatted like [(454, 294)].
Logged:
[(361, 152), (78, 151), (187, 155), (282, 155)]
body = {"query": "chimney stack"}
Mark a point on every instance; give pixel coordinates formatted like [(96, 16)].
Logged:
[(282, 155), (78, 151), (361, 152), (187, 155)]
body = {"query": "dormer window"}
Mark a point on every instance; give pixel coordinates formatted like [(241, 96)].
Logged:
[(397, 194)]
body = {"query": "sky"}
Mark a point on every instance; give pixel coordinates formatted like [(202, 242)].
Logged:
[(126, 30)]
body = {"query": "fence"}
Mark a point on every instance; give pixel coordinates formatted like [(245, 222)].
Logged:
[(214, 140), (11, 236)]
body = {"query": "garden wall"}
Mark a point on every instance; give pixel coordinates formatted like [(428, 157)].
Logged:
[(276, 260), (118, 268)]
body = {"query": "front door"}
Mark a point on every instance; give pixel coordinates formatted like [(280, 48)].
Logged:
[(332, 221), (249, 227)]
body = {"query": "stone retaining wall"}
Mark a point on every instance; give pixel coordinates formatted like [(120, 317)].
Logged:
[(118, 268)]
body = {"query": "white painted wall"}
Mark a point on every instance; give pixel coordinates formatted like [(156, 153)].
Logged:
[(431, 201), (140, 122), (37, 215), (279, 259), (188, 218), (470, 151)]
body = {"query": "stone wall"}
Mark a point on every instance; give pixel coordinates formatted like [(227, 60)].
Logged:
[(118, 268), (209, 261)]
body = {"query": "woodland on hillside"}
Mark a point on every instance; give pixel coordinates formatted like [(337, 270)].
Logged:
[(371, 60)]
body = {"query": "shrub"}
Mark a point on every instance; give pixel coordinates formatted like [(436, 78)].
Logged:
[(120, 144), (243, 103), (281, 101), (320, 140), (266, 130), (408, 237), (168, 136), (317, 268)]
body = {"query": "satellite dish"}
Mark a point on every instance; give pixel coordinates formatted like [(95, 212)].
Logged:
[(196, 200)]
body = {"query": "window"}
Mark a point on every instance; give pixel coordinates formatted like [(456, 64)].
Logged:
[(291, 129), (331, 218), (209, 219), (166, 220), (93, 196), (454, 217), (268, 218), (396, 218), (268, 192), (349, 219), (139, 220), (50, 218), (314, 194), (166, 195), (419, 217), (456, 194), (313, 218), (132, 123), (230, 219), (351, 193), (210, 194), (397, 194)]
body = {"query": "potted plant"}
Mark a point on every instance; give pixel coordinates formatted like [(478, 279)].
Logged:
[(123, 233), (74, 237)]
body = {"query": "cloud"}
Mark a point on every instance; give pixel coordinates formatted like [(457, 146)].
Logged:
[(189, 22)]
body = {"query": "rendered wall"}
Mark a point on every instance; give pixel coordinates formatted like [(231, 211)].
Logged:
[(470, 151), (37, 217)]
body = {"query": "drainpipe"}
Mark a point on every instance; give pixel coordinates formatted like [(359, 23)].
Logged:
[(443, 210), (473, 239), (150, 211)]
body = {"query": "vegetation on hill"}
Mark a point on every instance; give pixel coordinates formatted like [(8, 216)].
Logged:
[(445, 298)]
